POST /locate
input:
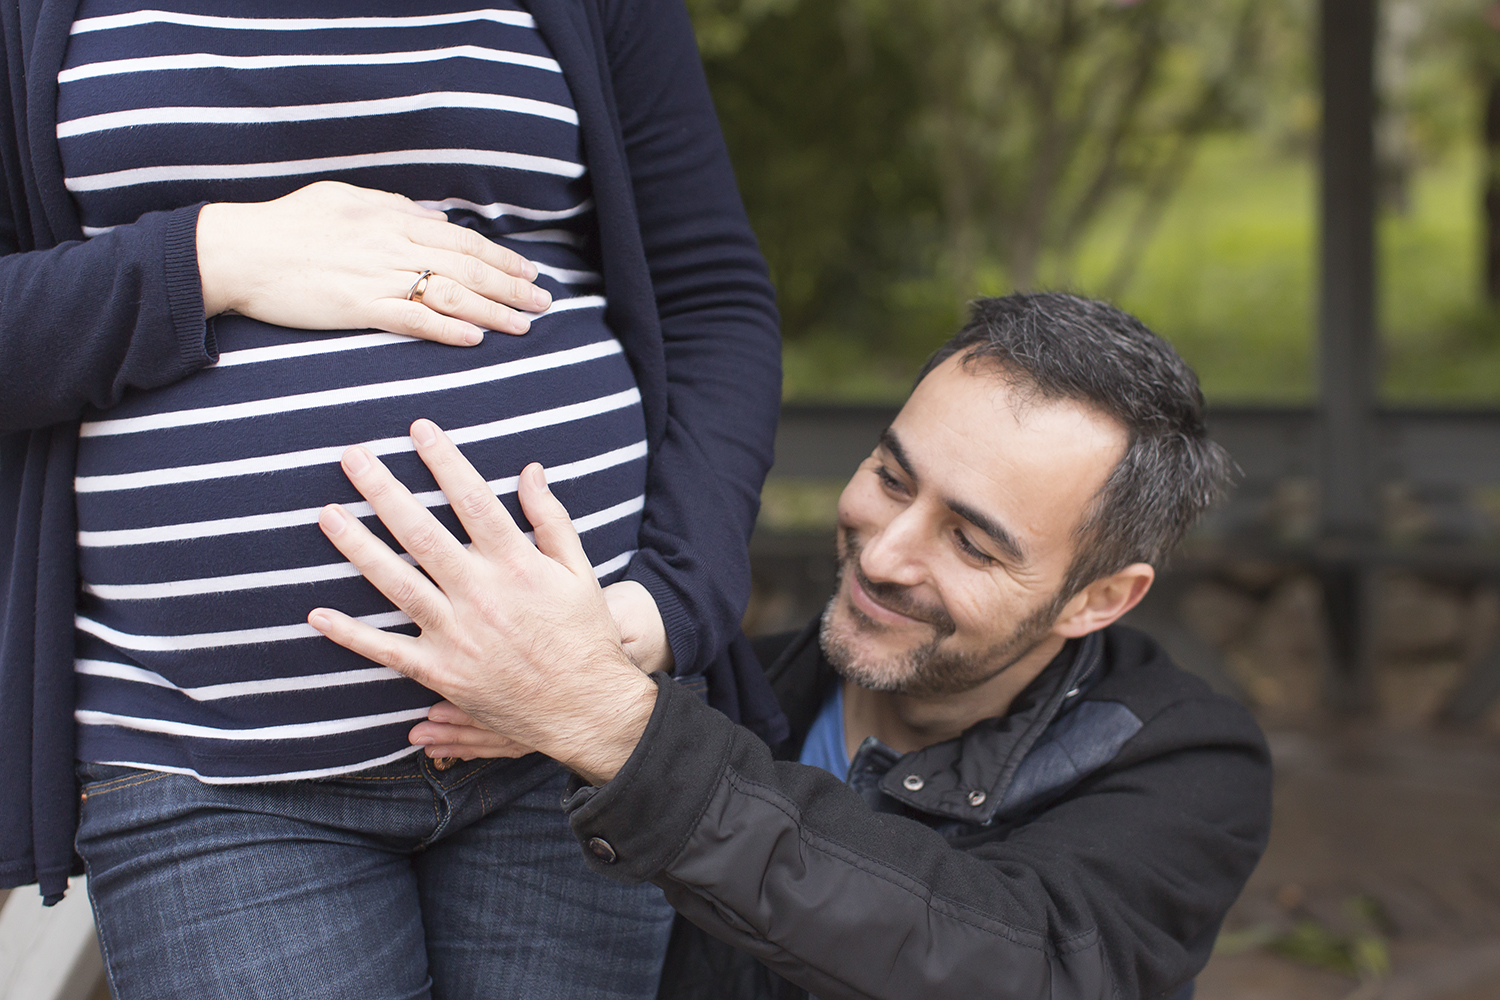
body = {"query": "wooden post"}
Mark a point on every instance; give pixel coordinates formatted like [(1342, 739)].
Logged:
[(1347, 333)]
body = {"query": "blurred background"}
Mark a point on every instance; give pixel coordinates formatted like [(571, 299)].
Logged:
[(1303, 196)]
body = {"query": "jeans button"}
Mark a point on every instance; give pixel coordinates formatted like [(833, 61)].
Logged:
[(601, 849), (443, 763)]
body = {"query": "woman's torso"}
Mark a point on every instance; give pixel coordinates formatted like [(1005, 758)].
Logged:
[(199, 550)]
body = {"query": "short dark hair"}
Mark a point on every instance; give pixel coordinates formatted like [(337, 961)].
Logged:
[(1065, 347)]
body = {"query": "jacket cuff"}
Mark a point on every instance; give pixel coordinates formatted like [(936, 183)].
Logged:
[(682, 635), (635, 825), (195, 338)]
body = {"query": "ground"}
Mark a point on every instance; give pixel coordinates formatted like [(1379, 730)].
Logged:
[(1383, 838)]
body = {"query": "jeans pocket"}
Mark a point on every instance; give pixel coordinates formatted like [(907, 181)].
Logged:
[(92, 776)]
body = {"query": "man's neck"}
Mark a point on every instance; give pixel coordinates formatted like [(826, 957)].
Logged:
[(906, 723)]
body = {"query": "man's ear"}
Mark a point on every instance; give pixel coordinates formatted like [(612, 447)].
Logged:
[(1102, 602)]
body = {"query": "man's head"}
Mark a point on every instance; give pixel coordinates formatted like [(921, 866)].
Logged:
[(1051, 455)]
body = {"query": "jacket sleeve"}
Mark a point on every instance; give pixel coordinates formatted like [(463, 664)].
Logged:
[(719, 326), (84, 321), (1116, 891)]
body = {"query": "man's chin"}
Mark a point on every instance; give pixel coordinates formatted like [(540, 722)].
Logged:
[(872, 654)]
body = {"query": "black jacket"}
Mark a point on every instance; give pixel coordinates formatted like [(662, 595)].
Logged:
[(1085, 845), (83, 322)]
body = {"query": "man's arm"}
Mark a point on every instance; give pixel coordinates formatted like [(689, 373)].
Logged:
[(1117, 891)]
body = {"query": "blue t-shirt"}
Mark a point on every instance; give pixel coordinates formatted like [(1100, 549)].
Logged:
[(825, 746)]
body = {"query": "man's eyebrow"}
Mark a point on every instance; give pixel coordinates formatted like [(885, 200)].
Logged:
[(1009, 544), (892, 444)]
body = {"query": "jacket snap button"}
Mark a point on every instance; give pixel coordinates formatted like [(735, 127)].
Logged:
[(913, 782), (601, 849), (976, 798)]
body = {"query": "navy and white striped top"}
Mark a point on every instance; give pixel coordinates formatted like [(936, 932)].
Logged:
[(200, 554)]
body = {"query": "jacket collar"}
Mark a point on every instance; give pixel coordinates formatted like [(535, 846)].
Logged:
[(963, 779)]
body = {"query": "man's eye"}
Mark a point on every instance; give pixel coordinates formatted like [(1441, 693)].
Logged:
[(970, 549), (889, 481)]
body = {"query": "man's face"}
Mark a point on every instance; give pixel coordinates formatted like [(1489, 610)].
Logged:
[(956, 534)]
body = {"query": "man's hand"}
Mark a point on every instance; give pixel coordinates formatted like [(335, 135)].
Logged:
[(449, 731), (517, 636)]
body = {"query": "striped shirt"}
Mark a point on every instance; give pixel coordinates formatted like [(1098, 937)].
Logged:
[(199, 550)]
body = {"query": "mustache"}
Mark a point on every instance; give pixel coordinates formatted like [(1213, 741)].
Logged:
[(893, 595)]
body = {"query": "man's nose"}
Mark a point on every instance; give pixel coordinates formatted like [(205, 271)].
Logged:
[(894, 554)]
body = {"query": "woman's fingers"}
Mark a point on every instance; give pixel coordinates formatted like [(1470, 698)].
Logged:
[(425, 539), (555, 534), (483, 516), (456, 299), (444, 235), (468, 742)]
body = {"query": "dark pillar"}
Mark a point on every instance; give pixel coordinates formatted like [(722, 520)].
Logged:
[(1347, 336)]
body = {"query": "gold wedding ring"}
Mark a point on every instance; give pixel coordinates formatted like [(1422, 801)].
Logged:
[(419, 287)]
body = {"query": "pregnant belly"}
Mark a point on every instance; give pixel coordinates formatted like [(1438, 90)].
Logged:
[(199, 550)]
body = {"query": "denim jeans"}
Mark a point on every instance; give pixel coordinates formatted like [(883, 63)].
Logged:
[(402, 881)]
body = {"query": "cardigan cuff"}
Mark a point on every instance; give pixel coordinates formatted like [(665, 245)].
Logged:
[(195, 337), (682, 635)]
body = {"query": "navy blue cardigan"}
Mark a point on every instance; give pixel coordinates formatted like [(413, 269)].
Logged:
[(80, 323)]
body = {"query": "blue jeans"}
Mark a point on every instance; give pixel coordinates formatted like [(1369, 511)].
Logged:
[(402, 881)]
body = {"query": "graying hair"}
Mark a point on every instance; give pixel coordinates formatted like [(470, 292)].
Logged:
[(1062, 346)]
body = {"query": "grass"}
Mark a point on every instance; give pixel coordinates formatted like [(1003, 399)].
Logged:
[(1229, 277)]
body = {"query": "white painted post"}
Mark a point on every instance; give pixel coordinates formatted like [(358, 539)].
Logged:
[(49, 952)]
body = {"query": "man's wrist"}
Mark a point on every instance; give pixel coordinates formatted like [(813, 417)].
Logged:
[(609, 727)]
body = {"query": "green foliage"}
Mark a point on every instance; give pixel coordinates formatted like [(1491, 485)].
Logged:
[(898, 157), (1360, 953)]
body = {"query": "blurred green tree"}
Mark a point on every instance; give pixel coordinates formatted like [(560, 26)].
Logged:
[(897, 156)]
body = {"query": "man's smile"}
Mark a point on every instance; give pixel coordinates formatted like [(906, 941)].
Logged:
[(866, 604)]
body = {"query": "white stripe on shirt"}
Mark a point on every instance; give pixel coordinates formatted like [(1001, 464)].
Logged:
[(197, 115), (136, 18), (291, 731), (235, 689), (309, 515), (495, 210), (330, 455), (212, 60), (215, 640), (361, 341), (351, 394), (323, 164)]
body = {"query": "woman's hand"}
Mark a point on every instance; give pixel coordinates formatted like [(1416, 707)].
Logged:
[(451, 732), (642, 632), (332, 256)]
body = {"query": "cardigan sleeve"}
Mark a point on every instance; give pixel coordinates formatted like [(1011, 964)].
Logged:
[(719, 325), (83, 321)]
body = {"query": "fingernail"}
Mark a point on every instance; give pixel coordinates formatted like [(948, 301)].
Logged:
[(320, 620), (473, 337), (422, 741), (424, 433), (531, 270), (541, 297), (520, 323), (357, 460), (332, 519)]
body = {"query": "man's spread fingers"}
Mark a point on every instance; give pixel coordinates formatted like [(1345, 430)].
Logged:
[(393, 576), (390, 649), (555, 534), (422, 535), (483, 516)]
